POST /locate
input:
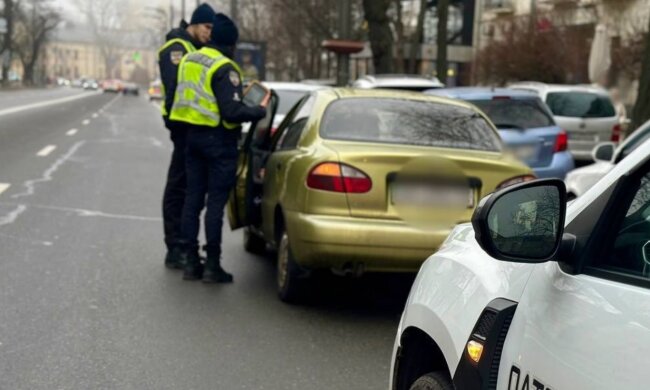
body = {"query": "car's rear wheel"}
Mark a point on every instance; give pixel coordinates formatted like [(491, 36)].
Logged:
[(253, 243), (290, 285), (433, 381)]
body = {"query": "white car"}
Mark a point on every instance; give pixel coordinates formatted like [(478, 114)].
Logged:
[(535, 294), (606, 155), (397, 81), (288, 94), (585, 112)]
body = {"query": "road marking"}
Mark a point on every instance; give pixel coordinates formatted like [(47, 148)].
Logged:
[(71, 132), (3, 187), (85, 122), (46, 150), (95, 115), (47, 103)]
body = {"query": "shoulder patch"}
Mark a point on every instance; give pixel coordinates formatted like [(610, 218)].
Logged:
[(234, 78), (175, 56)]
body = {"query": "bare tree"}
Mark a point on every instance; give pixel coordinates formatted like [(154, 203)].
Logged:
[(9, 14), (417, 37), (36, 20), (379, 34), (105, 20), (441, 58), (641, 111), (399, 32)]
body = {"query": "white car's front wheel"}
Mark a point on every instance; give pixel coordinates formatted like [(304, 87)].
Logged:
[(433, 381)]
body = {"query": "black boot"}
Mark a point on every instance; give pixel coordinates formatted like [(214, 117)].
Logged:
[(174, 258), (214, 273), (193, 269)]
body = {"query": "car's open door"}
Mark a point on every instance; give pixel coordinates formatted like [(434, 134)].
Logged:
[(245, 198)]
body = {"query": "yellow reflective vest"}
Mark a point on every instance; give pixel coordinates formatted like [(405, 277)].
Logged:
[(194, 101), (189, 48)]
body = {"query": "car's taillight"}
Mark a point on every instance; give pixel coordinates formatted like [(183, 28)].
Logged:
[(516, 180), (331, 176), (616, 133), (561, 142)]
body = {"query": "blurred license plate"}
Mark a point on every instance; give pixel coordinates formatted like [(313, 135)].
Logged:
[(526, 152), (432, 196)]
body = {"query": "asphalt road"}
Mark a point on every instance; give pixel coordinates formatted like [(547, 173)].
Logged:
[(85, 302)]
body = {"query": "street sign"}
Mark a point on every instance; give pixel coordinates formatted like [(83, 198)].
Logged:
[(3, 26)]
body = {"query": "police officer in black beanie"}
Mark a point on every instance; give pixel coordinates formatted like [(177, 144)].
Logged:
[(213, 109), (179, 41)]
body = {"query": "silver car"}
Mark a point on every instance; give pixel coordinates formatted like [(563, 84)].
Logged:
[(606, 155), (585, 112)]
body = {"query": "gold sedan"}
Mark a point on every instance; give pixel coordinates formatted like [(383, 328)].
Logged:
[(364, 181)]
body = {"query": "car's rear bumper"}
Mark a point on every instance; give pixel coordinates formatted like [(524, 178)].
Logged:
[(561, 164), (375, 245)]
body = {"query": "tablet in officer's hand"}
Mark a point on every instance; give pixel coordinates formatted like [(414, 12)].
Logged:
[(255, 94)]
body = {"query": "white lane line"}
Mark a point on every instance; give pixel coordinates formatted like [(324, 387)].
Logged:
[(46, 150), (85, 122), (46, 103), (71, 132), (4, 187), (95, 115)]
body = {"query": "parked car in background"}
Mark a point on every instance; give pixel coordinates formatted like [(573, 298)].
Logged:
[(155, 90), (346, 180), (397, 81), (112, 85), (77, 83), (90, 84), (535, 293), (525, 125), (606, 155), (130, 89), (288, 94), (585, 112)]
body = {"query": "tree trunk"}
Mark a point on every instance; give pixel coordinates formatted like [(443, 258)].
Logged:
[(7, 46), (641, 111), (441, 57), (379, 34), (417, 37), (399, 28)]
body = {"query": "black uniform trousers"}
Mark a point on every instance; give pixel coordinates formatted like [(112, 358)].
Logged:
[(175, 189), (211, 161)]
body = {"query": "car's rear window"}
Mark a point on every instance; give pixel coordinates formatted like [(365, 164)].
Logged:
[(580, 105), (516, 113), (408, 122)]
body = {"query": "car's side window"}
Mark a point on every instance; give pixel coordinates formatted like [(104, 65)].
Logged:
[(291, 135), (629, 246)]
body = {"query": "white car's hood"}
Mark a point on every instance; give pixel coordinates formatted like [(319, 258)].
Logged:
[(580, 180)]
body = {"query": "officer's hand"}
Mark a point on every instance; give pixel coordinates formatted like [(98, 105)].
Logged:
[(266, 100)]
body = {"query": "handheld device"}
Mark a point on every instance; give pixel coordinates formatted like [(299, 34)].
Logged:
[(255, 94)]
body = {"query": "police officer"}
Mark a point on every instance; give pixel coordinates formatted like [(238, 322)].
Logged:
[(180, 41), (209, 100)]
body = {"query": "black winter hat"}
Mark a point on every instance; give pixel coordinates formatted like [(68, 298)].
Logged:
[(202, 14), (224, 31)]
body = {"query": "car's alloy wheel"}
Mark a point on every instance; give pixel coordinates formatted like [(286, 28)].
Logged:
[(288, 282), (433, 381)]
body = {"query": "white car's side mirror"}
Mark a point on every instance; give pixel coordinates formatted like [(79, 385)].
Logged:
[(604, 151)]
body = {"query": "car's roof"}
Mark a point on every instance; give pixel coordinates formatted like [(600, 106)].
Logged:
[(288, 86), (542, 87), (473, 93), (347, 93), (397, 80)]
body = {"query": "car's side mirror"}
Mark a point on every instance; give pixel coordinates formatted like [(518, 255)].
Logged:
[(523, 223), (604, 151)]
